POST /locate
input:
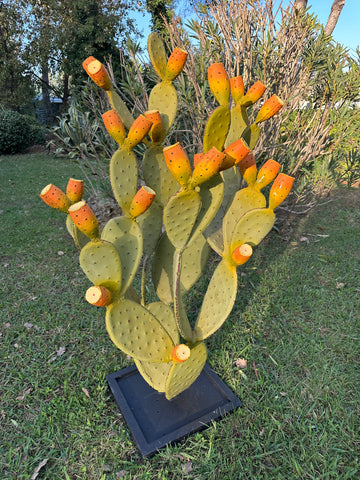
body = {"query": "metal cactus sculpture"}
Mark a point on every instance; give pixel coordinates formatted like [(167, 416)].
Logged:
[(173, 219)]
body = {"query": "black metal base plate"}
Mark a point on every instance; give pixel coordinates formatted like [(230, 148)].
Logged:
[(154, 421)]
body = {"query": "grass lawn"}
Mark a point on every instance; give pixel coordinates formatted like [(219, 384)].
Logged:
[(296, 322)]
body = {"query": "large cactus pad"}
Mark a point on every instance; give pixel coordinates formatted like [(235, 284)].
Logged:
[(182, 375), (218, 301), (101, 264), (126, 236), (137, 332)]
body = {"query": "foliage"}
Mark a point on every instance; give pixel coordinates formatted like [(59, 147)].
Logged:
[(289, 53), (16, 84), (17, 132), (160, 11)]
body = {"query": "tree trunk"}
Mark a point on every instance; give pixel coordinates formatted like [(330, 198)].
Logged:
[(300, 4), (45, 91), (336, 8)]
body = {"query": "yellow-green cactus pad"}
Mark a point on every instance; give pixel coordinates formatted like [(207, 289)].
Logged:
[(163, 97), (137, 332), (251, 135), (182, 375), (157, 175), (157, 54), (124, 177), (150, 224), (102, 265), (211, 195), (125, 234), (239, 122), (165, 315), (155, 374), (121, 109), (244, 200), (253, 227), (218, 301), (214, 232), (180, 215), (193, 262), (216, 129)]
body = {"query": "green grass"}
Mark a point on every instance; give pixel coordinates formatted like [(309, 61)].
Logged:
[(296, 322)]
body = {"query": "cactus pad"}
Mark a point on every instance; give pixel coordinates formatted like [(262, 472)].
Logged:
[(125, 234), (253, 227), (218, 301), (239, 122), (102, 265), (155, 374), (119, 106), (216, 129), (137, 332), (157, 175), (182, 375), (165, 316), (193, 262), (244, 200), (163, 97), (211, 195), (150, 224), (124, 177), (157, 54), (251, 135), (179, 216)]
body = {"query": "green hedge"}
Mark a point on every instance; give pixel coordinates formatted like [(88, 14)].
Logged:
[(17, 132)]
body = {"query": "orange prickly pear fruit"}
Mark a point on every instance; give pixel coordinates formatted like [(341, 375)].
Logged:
[(242, 253), (219, 83), (253, 94), (55, 198), (198, 157), (178, 163), (138, 131), (207, 166), (180, 353), (75, 190), (270, 107), (237, 88), (280, 189), (267, 173), (114, 126), (98, 296), (234, 153), (248, 169), (84, 219), (142, 201), (98, 73), (175, 63), (155, 130)]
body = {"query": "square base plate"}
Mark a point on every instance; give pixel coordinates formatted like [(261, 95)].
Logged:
[(154, 421)]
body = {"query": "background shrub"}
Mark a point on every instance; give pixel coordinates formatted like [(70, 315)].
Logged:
[(17, 132)]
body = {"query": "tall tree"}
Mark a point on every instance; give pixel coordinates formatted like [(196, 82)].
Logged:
[(159, 9), (336, 8), (16, 86), (62, 33)]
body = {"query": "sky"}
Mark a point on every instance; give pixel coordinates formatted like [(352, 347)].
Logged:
[(347, 30)]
